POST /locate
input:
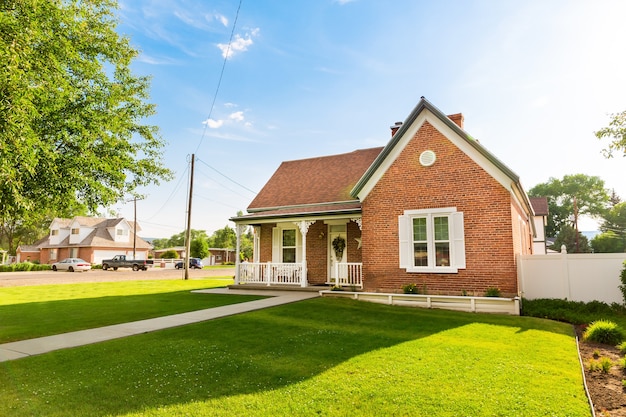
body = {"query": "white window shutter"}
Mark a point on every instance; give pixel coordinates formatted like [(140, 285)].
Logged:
[(404, 233), (276, 244), (458, 234)]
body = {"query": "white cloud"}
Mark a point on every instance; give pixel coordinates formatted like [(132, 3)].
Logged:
[(213, 124), (238, 44), (223, 19), (237, 116)]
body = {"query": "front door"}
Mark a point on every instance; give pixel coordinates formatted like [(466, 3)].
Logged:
[(337, 251)]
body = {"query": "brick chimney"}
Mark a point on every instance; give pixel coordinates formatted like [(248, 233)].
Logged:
[(457, 119), (395, 128)]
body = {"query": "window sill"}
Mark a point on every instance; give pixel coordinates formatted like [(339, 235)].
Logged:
[(437, 270)]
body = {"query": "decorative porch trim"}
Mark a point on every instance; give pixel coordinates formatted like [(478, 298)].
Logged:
[(358, 221)]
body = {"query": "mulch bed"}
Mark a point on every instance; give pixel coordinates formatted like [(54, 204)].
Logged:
[(606, 390)]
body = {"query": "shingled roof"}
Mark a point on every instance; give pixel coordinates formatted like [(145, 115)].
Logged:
[(314, 184)]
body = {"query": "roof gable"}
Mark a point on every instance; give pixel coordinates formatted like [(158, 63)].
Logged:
[(422, 113), (320, 180)]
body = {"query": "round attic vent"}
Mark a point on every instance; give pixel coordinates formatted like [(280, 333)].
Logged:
[(427, 158)]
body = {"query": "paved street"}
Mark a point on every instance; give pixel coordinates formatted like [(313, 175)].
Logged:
[(13, 279)]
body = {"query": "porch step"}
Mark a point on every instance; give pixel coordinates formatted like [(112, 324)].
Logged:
[(260, 287)]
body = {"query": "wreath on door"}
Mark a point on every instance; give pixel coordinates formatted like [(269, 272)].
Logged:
[(339, 244)]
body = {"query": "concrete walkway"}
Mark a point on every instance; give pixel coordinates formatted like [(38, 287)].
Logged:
[(23, 348)]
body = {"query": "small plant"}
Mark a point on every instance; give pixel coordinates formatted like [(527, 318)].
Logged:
[(622, 363), (336, 288), (410, 289), (596, 354), (492, 292), (622, 348), (624, 383), (593, 365), (604, 331), (464, 293), (606, 364)]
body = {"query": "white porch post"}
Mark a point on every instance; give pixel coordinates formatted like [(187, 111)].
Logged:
[(239, 230), (304, 229)]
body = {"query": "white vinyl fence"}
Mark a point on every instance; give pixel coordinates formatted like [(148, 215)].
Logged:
[(575, 277)]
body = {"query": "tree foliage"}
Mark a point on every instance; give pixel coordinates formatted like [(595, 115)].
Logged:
[(585, 193), (567, 237), (608, 242), (71, 111), (616, 130), (199, 248), (223, 238), (613, 227)]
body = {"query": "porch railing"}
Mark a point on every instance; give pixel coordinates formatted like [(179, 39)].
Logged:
[(271, 273), (349, 274)]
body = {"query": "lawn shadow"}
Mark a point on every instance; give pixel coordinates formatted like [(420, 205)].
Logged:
[(243, 354)]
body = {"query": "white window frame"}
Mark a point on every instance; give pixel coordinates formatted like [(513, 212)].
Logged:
[(456, 238), (277, 243)]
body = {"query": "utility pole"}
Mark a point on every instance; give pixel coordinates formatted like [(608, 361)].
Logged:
[(135, 230), (188, 234)]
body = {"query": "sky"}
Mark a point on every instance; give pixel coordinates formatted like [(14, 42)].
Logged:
[(306, 78)]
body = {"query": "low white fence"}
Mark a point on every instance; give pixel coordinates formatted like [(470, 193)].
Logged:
[(348, 274), (575, 277), (270, 273), (447, 302)]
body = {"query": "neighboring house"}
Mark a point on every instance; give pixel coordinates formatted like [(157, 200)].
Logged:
[(432, 208), (28, 253), (220, 256), (92, 239), (180, 250), (540, 207)]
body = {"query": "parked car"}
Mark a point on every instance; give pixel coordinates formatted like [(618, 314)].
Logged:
[(193, 263), (120, 261), (71, 264)]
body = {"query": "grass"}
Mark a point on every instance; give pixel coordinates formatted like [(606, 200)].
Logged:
[(333, 357), (29, 312)]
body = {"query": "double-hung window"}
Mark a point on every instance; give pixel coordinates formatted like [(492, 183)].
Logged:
[(432, 240), (286, 244), (289, 245)]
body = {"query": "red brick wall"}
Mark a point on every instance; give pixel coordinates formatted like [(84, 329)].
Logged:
[(453, 181)]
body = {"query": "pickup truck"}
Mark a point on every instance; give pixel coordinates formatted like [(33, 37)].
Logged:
[(120, 261)]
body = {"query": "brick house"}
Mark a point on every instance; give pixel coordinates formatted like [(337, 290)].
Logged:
[(92, 239), (433, 207)]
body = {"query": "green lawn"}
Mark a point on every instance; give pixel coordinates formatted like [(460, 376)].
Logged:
[(324, 356), (28, 312)]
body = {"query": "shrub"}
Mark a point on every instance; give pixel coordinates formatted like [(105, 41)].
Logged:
[(169, 254), (410, 289), (336, 288), (604, 331), (622, 278), (492, 292), (622, 363), (575, 312), (23, 266), (622, 348)]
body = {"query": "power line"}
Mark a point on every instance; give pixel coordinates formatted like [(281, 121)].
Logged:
[(219, 82), (228, 178)]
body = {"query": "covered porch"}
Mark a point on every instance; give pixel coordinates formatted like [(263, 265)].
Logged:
[(324, 251)]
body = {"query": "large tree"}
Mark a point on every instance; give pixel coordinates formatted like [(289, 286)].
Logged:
[(616, 130), (72, 114), (571, 197)]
